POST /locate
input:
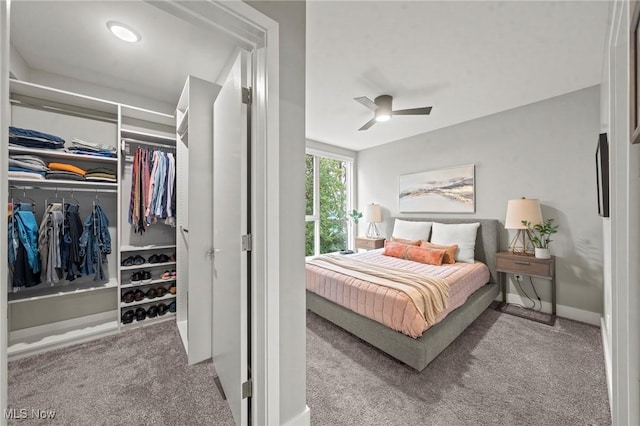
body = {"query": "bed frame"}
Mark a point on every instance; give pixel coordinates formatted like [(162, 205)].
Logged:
[(417, 353)]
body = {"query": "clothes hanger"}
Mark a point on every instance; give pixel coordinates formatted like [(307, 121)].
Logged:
[(75, 202), (48, 201)]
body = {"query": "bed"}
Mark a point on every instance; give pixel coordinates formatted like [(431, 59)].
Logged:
[(418, 352)]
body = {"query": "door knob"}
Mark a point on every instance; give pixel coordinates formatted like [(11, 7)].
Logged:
[(212, 252)]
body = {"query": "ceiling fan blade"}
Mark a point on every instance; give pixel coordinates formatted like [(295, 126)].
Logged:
[(368, 124), (412, 111), (366, 102)]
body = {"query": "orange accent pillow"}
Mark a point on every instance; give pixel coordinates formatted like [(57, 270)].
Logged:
[(407, 242), (449, 254), (429, 256), (395, 249)]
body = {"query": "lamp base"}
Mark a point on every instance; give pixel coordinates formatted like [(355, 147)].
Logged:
[(372, 231), (521, 243)]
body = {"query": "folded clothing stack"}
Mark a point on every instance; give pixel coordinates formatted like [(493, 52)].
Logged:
[(26, 166), (100, 174), (34, 139), (65, 171), (78, 146)]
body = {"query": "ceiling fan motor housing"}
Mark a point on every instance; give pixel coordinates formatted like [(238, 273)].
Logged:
[(384, 103)]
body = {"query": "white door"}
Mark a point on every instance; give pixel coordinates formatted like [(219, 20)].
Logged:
[(230, 224)]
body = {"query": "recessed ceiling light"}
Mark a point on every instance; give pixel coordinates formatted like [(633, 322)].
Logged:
[(124, 32)]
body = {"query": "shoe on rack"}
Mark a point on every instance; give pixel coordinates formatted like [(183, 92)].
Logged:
[(140, 314), (139, 260), (151, 293), (166, 275), (138, 295), (128, 296), (127, 317), (162, 309), (172, 306), (172, 288), (136, 278), (172, 258), (128, 261), (146, 277), (174, 275), (154, 259), (160, 291), (163, 258), (152, 312)]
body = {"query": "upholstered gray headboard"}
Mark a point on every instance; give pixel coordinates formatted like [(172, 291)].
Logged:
[(486, 239)]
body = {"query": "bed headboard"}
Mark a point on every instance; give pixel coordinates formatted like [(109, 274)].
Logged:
[(486, 239)]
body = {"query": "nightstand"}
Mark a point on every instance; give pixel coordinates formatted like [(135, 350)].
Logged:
[(369, 243), (509, 263)]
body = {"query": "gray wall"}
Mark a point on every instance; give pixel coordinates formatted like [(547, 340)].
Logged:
[(291, 16), (543, 150)]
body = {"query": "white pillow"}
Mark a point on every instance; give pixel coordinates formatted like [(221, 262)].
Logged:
[(410, 230), (462, 234)]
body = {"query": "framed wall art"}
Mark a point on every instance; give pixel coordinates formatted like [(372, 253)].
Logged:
[(450, 190)]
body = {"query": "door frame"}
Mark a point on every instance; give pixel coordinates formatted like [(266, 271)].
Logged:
[(259, 34)]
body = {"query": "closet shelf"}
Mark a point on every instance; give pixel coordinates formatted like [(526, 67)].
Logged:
[(158, 281), (59, 182), (182, 118), (146, 301), (149, 247), (149, 321), (146, 266), (53, 153), (69, 289)]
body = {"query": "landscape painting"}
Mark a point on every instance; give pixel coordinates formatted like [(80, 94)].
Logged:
[(449, 190)]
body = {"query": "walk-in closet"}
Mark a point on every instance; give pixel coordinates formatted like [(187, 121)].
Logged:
[(111, 174)]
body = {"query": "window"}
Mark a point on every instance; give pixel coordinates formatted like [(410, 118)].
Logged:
[(328, 199)]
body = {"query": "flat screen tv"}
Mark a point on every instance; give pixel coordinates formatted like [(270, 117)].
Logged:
[(602, 175)]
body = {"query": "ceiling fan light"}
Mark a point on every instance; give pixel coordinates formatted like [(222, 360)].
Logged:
[(383, 117)]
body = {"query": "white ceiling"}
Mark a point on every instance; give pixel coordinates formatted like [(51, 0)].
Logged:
[(466, 59), (70, 38)]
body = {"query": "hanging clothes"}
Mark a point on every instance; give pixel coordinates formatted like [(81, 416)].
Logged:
[(95, 244), (72, 231), (49, 243), (24, 259), (152, 189)]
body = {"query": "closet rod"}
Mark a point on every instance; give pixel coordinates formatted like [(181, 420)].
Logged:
[(58, 189), (137, 141)]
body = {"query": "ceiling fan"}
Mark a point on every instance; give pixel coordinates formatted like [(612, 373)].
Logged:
[(382, 110)]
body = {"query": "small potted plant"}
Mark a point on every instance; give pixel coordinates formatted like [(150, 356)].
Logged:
[(541, 237)]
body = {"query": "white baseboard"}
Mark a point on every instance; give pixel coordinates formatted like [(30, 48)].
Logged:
[(563, 311), (42, 338), (607, 360), (302, 419)]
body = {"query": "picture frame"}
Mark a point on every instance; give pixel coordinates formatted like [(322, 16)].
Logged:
[(447, 190), (634, 74), (602, 175)]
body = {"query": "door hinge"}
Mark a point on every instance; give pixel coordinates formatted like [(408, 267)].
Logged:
[(247, 389), (247, 242), (246, 95)]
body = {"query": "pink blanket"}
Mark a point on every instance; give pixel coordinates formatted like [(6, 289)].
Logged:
[(387, 305)]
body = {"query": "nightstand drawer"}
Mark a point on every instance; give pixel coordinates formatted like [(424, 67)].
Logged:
[(526, 265), (369, 243)]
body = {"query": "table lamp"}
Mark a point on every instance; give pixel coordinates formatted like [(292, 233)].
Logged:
[(524, 209), (373, 215)]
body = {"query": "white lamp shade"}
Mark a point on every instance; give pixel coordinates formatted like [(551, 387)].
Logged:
[(373, 214), (522, 209)]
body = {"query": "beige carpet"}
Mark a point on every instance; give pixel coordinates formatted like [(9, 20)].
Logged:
[(503, 370), (139, 377)]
